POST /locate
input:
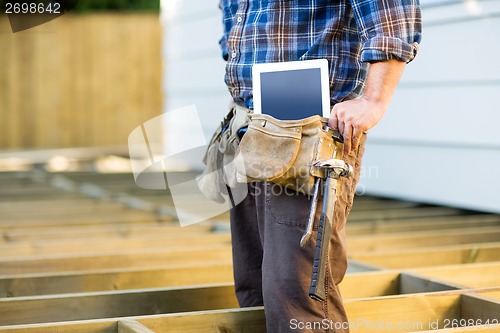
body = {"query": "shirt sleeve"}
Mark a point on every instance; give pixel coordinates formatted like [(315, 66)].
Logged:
[(224, 6), (391, 29)]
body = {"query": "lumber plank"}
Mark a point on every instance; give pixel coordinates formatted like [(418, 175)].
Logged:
[(111, 231), (403, 213), (422, 239), (132, 326), (164, 241), (407, 313), (354, 285), (115, 279), (495, 293), (431, 256), (61, 209), (103, 219), (419, 224), (473, 329), (192, 298), (247, 320), (122, 259), (68, 307), (476, 307), (354, 244), (479, 275)]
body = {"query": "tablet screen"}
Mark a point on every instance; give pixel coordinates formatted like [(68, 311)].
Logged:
[(293, 94), (292, 90)]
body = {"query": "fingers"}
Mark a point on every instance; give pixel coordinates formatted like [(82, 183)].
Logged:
[(341, 127), (356, 138), (333, 121), (345, 117), (347, 134)]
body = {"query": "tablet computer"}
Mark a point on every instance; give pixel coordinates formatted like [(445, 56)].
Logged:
[(292, 90)]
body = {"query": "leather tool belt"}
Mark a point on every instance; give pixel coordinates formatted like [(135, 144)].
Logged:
[(282, 151), (279, 151)]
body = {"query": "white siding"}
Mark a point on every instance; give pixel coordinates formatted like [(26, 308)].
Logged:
[(440, 140), (194, 69)]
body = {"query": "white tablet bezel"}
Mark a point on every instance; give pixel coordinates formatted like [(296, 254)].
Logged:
[(322, 64)]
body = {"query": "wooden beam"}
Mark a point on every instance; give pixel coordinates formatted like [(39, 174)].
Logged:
[(354, 244), (122, 259), (402, 213), (410, 283), (473, 329), (428, 224), (431, 256), (111, 231), (115, 279), (491, 293), (422, 239), (358, 285), (80, 246), (132, 326), (408, 313), (480, 275), (68, 307), (382, 205), (104, 219), (192, 298)]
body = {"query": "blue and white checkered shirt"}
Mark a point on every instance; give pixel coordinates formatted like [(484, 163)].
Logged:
[(348, 33)]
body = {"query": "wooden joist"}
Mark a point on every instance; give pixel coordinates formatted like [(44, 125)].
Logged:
[(87, 264), (130, 216), (132, 326), (68, 307), (409, 313), (131, 229), (122, 259), (109, 232), (115, 279), (480, 275), (359, 285), (431, 256), (79, 246), (422, 239), (401, 213), (354, 244), (422, 224)]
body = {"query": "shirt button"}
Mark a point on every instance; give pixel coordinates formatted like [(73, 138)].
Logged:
[(239, 19), (233, 55)]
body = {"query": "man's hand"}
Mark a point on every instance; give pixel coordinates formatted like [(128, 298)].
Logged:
[(356, 116)]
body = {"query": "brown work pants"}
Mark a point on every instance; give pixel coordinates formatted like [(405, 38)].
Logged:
[(270, 267)]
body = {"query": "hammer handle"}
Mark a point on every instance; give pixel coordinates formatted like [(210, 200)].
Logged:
[(317, 288)]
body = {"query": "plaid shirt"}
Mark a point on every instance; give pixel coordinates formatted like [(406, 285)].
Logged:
[(348, 33)]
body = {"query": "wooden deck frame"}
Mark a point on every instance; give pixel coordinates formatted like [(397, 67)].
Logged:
[(419, 224), (143, 229), (481, 275), (408, 313), (422, 239), (110, 232), (430, 256), (183, 299), (355, 244), (122, 259), (80, 246), (124, 278)]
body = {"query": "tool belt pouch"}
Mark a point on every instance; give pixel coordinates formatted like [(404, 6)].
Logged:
[(281, 151), (219, 167)]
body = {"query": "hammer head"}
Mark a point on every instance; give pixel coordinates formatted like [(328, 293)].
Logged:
[(334, 168)]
